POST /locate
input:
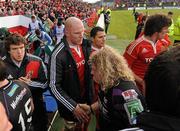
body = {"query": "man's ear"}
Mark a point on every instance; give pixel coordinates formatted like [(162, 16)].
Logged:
[(155, 35), (66, 32)]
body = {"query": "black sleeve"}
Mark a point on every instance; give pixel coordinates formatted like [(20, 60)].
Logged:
[(55, 78)]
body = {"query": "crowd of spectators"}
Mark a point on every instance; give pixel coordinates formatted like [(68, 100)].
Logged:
[(149, 3), (53, 9), (49, 14)]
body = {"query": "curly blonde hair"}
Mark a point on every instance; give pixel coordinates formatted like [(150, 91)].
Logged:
[(112, 67)]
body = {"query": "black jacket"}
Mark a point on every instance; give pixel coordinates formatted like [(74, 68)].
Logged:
[(16, 98), (119, 106), (32, 65), (29, 63), (64, 81), (151, 121), (158, 122)]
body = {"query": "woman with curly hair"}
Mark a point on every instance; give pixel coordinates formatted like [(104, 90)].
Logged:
[(120, 101)]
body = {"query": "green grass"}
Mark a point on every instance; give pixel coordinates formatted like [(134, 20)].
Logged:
[(123, 25), (118, 44), (58, 124)]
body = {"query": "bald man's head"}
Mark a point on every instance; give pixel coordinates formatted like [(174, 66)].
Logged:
[(74, 30), (71, 21)]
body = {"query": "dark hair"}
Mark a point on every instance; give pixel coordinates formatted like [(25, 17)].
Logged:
[(108, 12), (3, 72), (59, 23), (163, 83), (155, 23), (33, 17), (37, 32), (14, 39), (95, 30), (170, 13)]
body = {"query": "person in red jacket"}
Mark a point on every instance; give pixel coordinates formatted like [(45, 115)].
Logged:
[(142, 51)]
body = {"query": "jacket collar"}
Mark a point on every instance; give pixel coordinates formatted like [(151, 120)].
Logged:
[(9, 60), (84, 44)]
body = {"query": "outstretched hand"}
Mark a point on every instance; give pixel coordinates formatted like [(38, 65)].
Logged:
[(25, 79)]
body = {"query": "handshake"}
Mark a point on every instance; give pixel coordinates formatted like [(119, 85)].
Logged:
[(87, 108), (82, 111)]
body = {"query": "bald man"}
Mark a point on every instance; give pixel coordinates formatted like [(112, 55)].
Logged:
[(69, 75), (5, 125)]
